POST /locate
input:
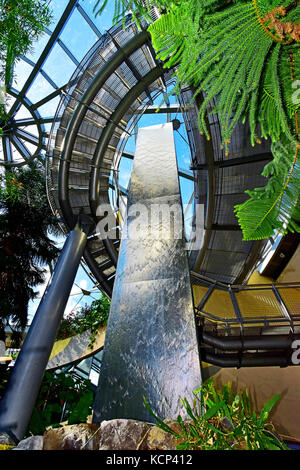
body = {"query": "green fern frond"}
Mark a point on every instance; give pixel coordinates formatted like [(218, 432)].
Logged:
[(246, 72), (230, 57), (275, 206)]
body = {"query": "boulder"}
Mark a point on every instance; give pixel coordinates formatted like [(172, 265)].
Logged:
[(31, 443), (6, 442), (74, 437), (123, 434), (157, 439), (116, 434)]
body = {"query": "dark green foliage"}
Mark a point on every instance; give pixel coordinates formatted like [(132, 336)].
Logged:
[(21, 23), (25, 247), (221, 420), (56, 389), (82, 409), (90, 317), (227, 55), (275, 206)]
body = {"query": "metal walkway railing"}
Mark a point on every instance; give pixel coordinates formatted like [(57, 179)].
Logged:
[(247, 325), (241, 306)]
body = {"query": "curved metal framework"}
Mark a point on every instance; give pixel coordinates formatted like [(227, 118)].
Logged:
[(114, 85), (88, 138), (15, 136), (100, 106)]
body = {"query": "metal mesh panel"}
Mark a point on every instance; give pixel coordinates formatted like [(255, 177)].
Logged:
[(291, 299), (224, 208), (97, 116), (220, 305), (258, 303), (235, 179), (225, 240), (218, 263)]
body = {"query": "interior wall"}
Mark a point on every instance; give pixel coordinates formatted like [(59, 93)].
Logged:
[(291, 272)]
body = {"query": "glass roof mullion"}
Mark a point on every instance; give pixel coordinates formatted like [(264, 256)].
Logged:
[(24, 122), (128, 155), (22, 149), (47, 30), (43, 57), (186, 174), (32, 139), (7, 149), (31, 121), (68, 52), (54, 94), (46, 120), (45, 75), (49, 80), (28, 61), (88, 20)]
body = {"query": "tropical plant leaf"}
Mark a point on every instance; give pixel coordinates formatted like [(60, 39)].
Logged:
[(230, 56), (160, 423), (82, 409), (264, 414), (276, 206), (224, 425)]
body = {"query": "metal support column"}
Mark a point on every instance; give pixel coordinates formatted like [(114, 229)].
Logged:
[(25, 380), (151, 347)]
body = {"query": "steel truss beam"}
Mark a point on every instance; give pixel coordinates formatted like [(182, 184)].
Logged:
[(237, 161)]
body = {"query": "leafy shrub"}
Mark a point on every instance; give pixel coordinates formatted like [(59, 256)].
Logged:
[(87, 318), (223, 420), (61, 397)]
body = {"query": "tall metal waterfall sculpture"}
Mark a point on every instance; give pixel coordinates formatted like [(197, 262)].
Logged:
[(151, 347)]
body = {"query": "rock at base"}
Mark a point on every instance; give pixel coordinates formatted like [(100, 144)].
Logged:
[(74, 437), (123, 434), (115, 434), (6, 440), (31, 443), (158, 439)]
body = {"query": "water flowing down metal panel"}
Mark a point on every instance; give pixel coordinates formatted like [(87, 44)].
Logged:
[(151, 347)]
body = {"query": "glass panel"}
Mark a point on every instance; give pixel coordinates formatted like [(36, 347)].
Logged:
[(22, 70), (39, 89), (75, 30), (58, 7), (38, 47), (103, 22), (59, 66)]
